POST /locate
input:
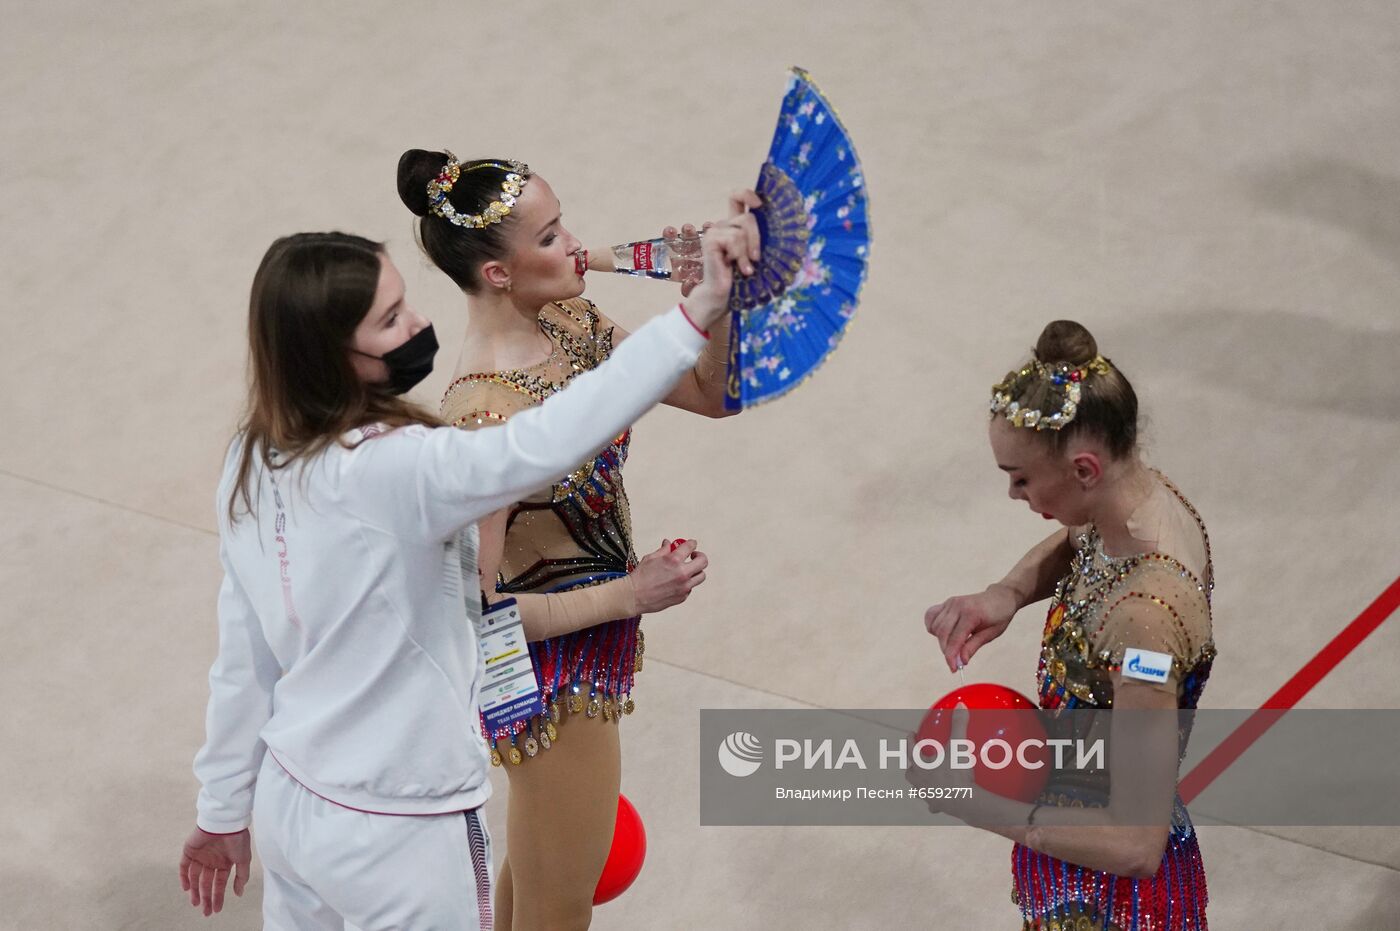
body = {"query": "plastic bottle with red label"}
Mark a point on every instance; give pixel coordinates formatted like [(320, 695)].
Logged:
[(667, 259)]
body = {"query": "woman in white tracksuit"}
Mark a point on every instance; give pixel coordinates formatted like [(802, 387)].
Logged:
[(343, 712)]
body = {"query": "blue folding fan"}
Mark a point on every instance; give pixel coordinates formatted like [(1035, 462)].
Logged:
[(790, 314)]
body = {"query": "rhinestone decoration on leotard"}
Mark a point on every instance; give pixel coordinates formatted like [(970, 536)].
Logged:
[(590, 671), (1075, 671)]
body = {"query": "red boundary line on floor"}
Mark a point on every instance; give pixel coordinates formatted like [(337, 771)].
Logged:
[(1244, 736)]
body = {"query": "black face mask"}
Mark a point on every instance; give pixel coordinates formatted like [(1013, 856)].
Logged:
[(410, 363)]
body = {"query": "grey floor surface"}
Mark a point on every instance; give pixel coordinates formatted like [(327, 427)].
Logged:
[(1213, 188)]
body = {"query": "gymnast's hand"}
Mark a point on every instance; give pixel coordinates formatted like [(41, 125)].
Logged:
[(728, 246), (687, 260), (206, 863), (964, 623), (666, 577)]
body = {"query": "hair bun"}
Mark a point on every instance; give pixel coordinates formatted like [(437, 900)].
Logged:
[(416, 168), (1066, 341)]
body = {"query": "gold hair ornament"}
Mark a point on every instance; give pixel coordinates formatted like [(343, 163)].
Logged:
[(1065, 381), (518, 174)]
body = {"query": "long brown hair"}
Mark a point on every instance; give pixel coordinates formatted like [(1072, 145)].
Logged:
[(310, 293)]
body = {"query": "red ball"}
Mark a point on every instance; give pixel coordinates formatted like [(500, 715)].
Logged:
[(994, 711), (629, 849), (676, 543)]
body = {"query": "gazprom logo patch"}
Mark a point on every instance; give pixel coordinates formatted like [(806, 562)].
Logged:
[(741, 754), (1146, 665)]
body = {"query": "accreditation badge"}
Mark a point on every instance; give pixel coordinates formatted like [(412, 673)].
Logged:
[(510, 692)]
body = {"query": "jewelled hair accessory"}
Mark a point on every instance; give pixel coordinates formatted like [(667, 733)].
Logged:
[(517, 175), (1062, 382)]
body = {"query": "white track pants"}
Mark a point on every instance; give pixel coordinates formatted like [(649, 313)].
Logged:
[(333, 868)]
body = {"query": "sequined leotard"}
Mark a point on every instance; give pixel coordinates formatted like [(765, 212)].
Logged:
[(1090, 626), (577, 533)]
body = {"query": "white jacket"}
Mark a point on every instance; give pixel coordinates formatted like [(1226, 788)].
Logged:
[(346, 647)]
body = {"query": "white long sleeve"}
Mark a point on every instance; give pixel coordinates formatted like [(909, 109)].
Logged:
[(461, 476), (345, 649)]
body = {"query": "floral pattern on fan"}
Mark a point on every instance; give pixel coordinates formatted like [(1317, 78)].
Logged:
[(791, 314)]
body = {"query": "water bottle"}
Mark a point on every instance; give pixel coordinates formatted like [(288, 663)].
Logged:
[(679, 260)]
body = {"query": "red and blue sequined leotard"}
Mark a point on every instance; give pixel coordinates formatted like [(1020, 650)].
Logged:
[(577, 533), (1086, 635)]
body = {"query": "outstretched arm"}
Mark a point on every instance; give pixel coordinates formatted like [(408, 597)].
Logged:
[(430, 483)]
